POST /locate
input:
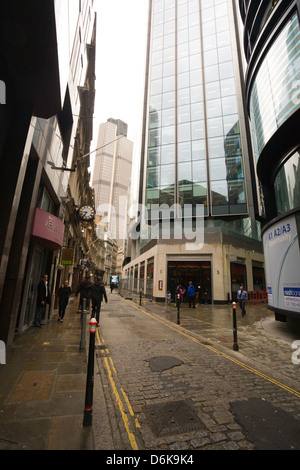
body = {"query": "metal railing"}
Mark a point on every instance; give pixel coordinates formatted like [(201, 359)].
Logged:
[(134, 289)]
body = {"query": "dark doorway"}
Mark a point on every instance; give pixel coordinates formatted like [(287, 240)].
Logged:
[(238, 277), (199, 272)]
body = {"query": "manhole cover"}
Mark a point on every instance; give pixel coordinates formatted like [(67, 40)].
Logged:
[(160, 363), (172, 418)]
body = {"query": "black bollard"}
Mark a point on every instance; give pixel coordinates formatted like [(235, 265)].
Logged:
[(140, 296), (178, 309), (235, 343), (87, 419)]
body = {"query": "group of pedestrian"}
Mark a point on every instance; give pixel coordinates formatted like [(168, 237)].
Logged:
[(242, 296), (191, 294), (92, 291), (96, 292)]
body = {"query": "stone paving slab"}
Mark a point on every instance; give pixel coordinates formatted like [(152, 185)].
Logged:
[(42, 389)]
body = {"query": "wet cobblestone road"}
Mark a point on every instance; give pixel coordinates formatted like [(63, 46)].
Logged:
[(184, 388)]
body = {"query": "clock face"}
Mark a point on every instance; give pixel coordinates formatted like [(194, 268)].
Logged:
[(86, 212)]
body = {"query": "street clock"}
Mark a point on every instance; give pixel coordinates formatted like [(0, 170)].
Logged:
[(86, 213)]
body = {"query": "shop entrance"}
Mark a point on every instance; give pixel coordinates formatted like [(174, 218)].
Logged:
[(238, 278), (32, 278), (182, 272)]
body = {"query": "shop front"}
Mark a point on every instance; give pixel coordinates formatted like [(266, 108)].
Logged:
[(46, 239), (182, 272), (238, 277)]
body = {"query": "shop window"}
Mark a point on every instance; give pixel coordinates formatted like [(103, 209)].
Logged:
[(287, 185), (46, 202), (182, 272), (238, 278)]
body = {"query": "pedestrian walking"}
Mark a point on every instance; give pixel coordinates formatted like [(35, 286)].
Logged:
[(242, 296), (98, 292), (43, 298), (84, 289), (191, 294), (179, 291), (64, 293)]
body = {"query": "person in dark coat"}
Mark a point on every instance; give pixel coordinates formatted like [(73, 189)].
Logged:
[(84, 289), (98, 292), (64, 293), (43, 298)]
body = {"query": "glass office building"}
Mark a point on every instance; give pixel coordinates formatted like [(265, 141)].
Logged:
[(196, 143), (272, 50)]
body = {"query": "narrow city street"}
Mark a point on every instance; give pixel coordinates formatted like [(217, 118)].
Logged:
[(149, 155), (182, 387), (158, 386), (259, 336)]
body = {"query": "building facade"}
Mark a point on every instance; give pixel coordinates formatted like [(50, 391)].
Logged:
[(44, 56), (196, 157), (272, 50), (83, 252)]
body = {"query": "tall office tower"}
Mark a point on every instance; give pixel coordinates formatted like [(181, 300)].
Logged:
[(196, 151), (122, 127), (272, 50), (112, 178)]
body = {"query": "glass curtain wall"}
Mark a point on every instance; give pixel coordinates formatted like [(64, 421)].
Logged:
[(194, 146), (275, 93)]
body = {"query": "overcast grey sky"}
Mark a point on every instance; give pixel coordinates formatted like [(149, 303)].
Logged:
[(120, 63)]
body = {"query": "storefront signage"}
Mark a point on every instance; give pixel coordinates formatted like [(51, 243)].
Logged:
[(282, 261), (47, 230), (67, 256)]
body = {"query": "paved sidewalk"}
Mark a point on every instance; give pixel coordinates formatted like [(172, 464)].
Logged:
[(157, 385), (42, 388)]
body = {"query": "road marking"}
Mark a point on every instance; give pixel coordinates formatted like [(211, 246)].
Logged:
[(109, 369), (213, 349)]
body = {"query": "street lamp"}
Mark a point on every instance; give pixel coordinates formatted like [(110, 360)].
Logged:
[(63, 168)]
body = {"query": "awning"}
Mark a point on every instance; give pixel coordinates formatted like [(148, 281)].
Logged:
[(47, 230)]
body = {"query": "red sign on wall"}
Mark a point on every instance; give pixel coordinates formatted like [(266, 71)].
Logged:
[(47, 230)]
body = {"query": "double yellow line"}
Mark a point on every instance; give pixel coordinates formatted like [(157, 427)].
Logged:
[(227, 356), (110, 368)]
